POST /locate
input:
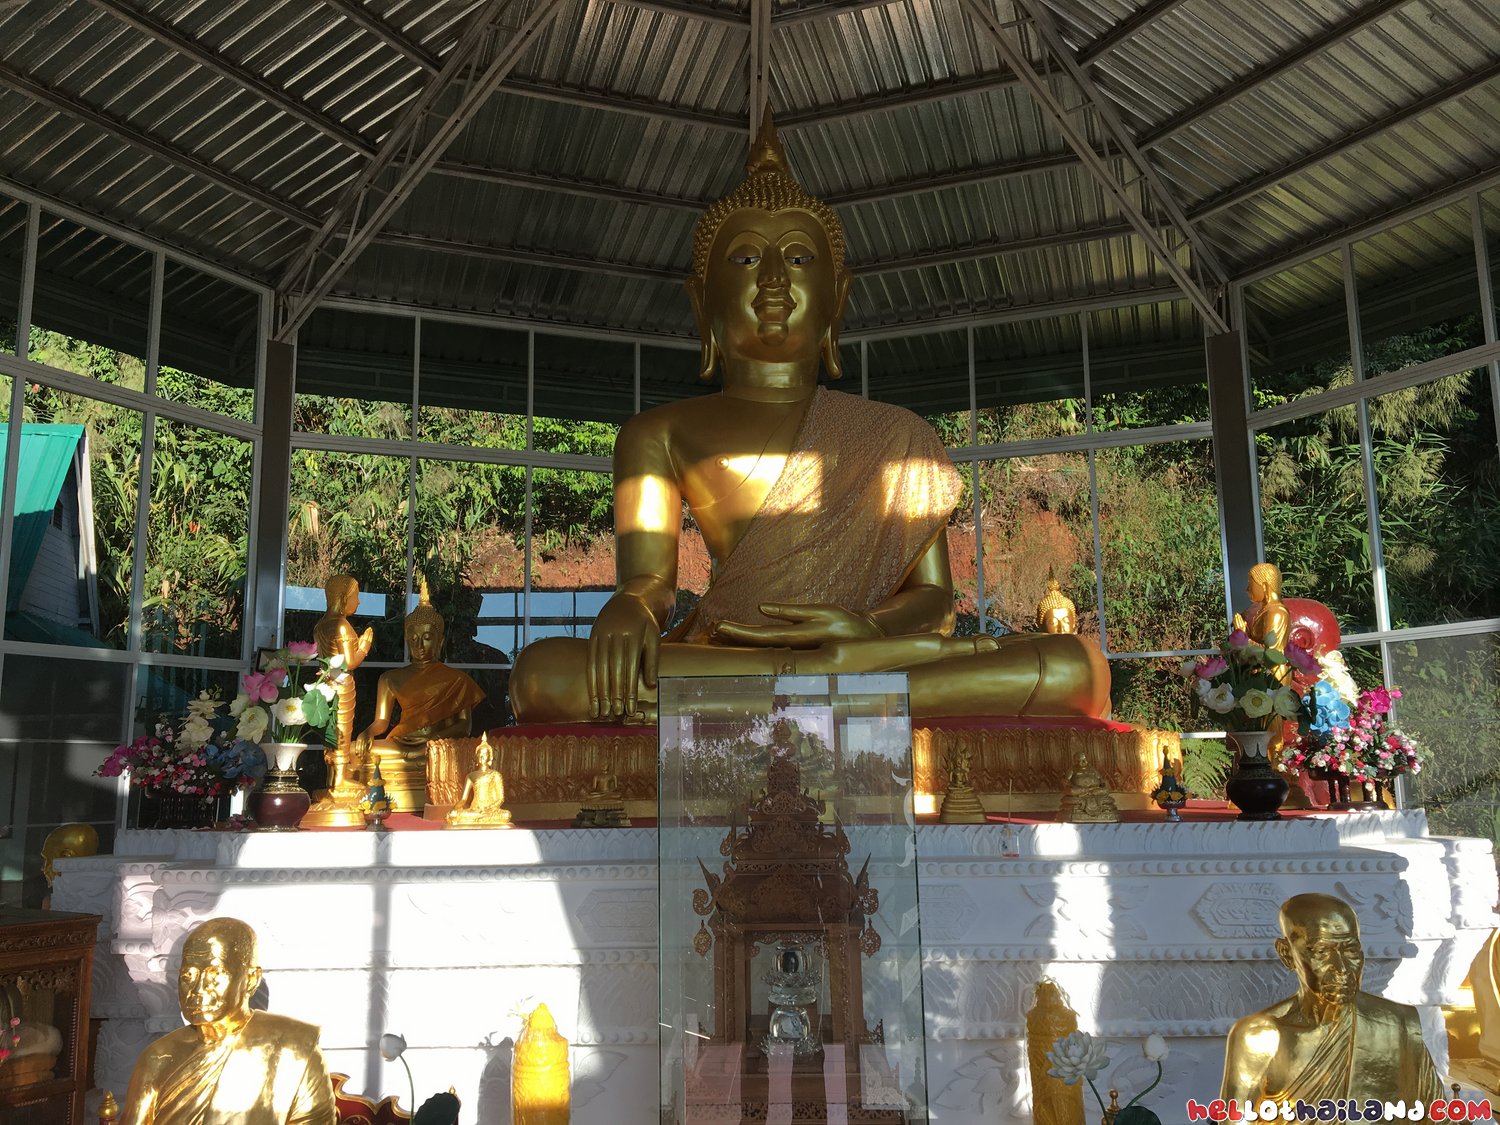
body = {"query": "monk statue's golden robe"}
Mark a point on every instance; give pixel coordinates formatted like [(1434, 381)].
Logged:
[(429, 694), (858, 472)]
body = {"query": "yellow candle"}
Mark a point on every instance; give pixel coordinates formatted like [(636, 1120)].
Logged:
[(539, 1075)]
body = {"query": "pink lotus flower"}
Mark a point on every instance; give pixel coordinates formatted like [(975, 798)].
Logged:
[(1302, 660), (1239, 639), (1211, 666), (260, 687), (302, 650)]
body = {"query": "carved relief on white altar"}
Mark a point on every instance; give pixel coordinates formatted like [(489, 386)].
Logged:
[(619, 916), (1086, 910)]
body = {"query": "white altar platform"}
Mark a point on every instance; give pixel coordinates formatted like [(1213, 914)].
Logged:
[(447, 937)]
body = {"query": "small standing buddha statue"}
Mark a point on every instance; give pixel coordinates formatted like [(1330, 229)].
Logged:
[(1086, 799), (482, 803), (433, 701)]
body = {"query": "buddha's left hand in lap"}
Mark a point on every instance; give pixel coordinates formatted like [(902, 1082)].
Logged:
[(807, 626)]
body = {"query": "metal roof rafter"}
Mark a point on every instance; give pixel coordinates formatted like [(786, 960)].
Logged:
[(1069, 121), (415, 143)]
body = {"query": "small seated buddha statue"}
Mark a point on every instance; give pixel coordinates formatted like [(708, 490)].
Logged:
[(482, 803), (825, 514), (434, 701), (1086, 799), (603, 806)]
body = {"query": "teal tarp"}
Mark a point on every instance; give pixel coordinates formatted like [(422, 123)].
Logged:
[(46, 453)]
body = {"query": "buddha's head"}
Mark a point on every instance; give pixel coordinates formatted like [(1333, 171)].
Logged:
[(1265, 580), (220, 971), (342, 592), (1320, 943), (424, 629), (1056, 612), (484, 753), (66, 841), (769, 281)]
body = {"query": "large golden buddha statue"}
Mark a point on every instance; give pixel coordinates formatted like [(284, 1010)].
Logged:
[(824, 513)]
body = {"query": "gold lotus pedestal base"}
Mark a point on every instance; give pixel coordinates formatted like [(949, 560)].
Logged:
[(335, 811), (550, 770)]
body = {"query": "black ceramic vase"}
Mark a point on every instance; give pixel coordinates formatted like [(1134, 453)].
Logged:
[(1255, 787)]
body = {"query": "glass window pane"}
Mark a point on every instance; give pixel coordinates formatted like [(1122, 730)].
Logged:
[(1297, 331), (1163, 564), (348, 516), (927, 374), (1147, 366), (1418, 290), (1028, 379), (163, 693), (194, 593), (668, 374), (1434, 448), (74, 532), (1450, 700), (584, 389), (12, 252), (354, 374), (91, 308), (470, 543), (1149, 692), (1312, 503), (473, 386), (210, 342), (572, 551), (1035, 518)]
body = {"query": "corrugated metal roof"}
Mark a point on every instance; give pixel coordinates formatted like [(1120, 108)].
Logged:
[(231, 129)]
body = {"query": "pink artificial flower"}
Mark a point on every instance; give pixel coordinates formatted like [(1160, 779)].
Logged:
[(1239, 639), (302, 650), (260, 687), (1211, 666), (1302, 660)]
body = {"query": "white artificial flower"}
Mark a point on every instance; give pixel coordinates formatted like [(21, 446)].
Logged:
[(1220, 699), (195, 732), (326, 690), (1285, 702), (392, 1047), (1155, 1047), (204, 707), (1255, 703), (1077, 1057), (253, 724), (1203, 687), (289, 713), (335, 662), (238, 704), (1336, 672), (1188, 667)]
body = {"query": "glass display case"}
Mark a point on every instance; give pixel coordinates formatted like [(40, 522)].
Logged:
[(791, 979)]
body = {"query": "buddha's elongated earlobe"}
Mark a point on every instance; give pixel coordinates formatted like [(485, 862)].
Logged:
[(708, 356), (831, 361)]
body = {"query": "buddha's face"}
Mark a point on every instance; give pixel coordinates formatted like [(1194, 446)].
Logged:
[(423, 641), (1325, 953), (771, 290), (484, 755), (216, 980), (350, 601)]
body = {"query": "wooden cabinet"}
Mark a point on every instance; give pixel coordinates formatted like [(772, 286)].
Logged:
[(46, 964)]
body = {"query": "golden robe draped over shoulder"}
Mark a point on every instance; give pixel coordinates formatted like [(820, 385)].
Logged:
[(432, 695), (865, 490)]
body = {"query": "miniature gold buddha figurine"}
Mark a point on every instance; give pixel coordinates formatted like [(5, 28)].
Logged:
[(1053, 1102), (335, 636), (482, 803), (65, 842), (961, 805), (1056, 613), (1330, 1040), (603, 806), (229, 1064), (824, 513), (434, 701), (1086, 799)]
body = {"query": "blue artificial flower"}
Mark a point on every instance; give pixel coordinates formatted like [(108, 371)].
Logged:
[(1329, 709), (252, 759)]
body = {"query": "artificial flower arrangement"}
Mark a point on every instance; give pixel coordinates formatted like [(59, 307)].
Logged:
[(10, 1038), (201, 758), (276, 705), (1242, 685), (1080, 1057), (1347, 731)]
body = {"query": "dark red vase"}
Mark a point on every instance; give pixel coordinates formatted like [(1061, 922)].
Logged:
[(280, 804)]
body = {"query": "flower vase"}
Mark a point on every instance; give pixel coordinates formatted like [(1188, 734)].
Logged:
[(279, 804), (1255, 787)]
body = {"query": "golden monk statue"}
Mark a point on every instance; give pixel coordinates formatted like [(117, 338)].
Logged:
[(482, 803), (229, 1064), (334, 636), (65, 842), (1056, 613), (1330, 1040), (1270, 623), (434, 700), (824, 514)]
